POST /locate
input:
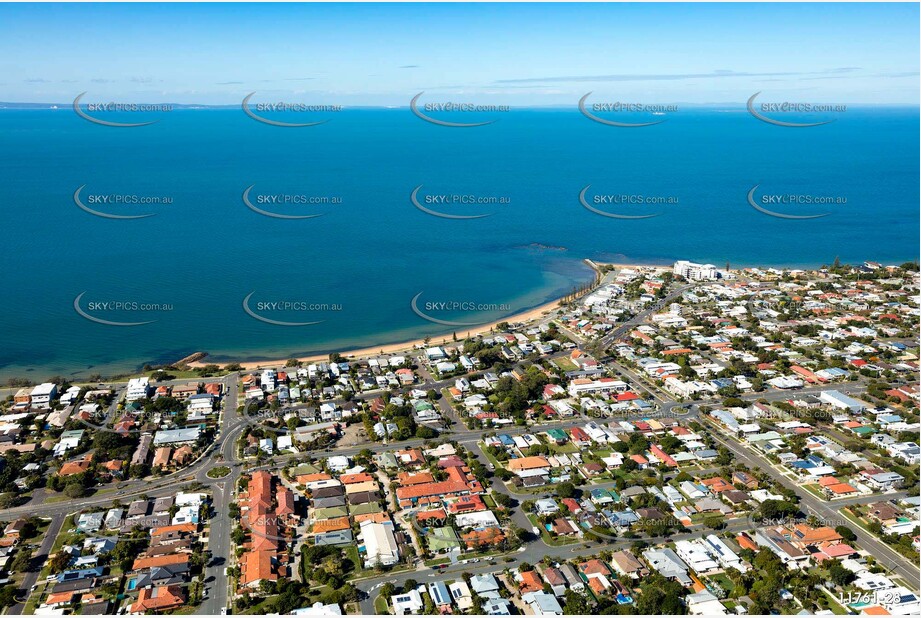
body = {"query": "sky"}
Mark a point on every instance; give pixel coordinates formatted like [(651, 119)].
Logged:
[(514, 54)]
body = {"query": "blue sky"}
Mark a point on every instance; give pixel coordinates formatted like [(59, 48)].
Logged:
[(545, 54)]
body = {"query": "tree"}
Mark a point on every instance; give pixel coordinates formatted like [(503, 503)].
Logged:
[(846, 533), (74, 490), (503, 500), (840, 575), (661, 596), (7, 596), (59, 562), (566, 490), (388, 590)]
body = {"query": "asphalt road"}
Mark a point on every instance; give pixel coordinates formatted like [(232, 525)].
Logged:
[(223, 489), (37, 563), (829, 511), (221, 525)]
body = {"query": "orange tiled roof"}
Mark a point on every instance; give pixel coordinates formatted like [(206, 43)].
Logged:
[(349, 479), (255, 566), (331, 525), (414, 478), (155, 561), (188, 528), (303, 479), (530, 582), (380, 518), (161, 598), (527, 463), (808, 534), (486, 536), (59, 597), (596, 585), (717, 484)]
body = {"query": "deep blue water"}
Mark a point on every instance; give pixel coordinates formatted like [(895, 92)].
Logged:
[(206, 251)]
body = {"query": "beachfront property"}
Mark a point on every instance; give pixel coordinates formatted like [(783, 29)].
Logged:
[(695, 272)]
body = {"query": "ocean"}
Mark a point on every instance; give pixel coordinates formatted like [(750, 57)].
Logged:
[(356, 269)]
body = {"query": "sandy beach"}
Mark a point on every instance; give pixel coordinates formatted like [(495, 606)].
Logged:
[(394, 348), (443, 339)]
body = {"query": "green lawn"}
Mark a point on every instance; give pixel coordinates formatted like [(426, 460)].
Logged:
[(380, 606), (218, 472), (814, 490), (565, 364), (547, 538), (489, 457), (351, 552), (834, 606)]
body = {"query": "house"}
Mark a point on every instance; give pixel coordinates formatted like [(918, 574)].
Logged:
[(159, 599), (667, 563), (186, 435), (527, 465), (882, 480), (572, 577), (43, 394), (407, 603), (529, 581), (440, 596), (484, 584), (625, 563), (138, 388), (257, 567), (842, 402), (380, 543), (546, 506), (542, 604), (486, 537), (556, 580), (461, 595)]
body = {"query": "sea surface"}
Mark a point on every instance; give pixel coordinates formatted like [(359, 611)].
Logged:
[(367, 257)]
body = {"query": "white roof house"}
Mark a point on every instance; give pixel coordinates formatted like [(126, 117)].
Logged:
[(42, 394), (380, 543), (138, 388), (407, 603)]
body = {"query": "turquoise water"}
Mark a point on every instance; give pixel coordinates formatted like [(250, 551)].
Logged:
[(205, 251)]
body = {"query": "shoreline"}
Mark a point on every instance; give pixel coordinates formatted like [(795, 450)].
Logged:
[(414, 344), (444, 338), (404, 346)]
